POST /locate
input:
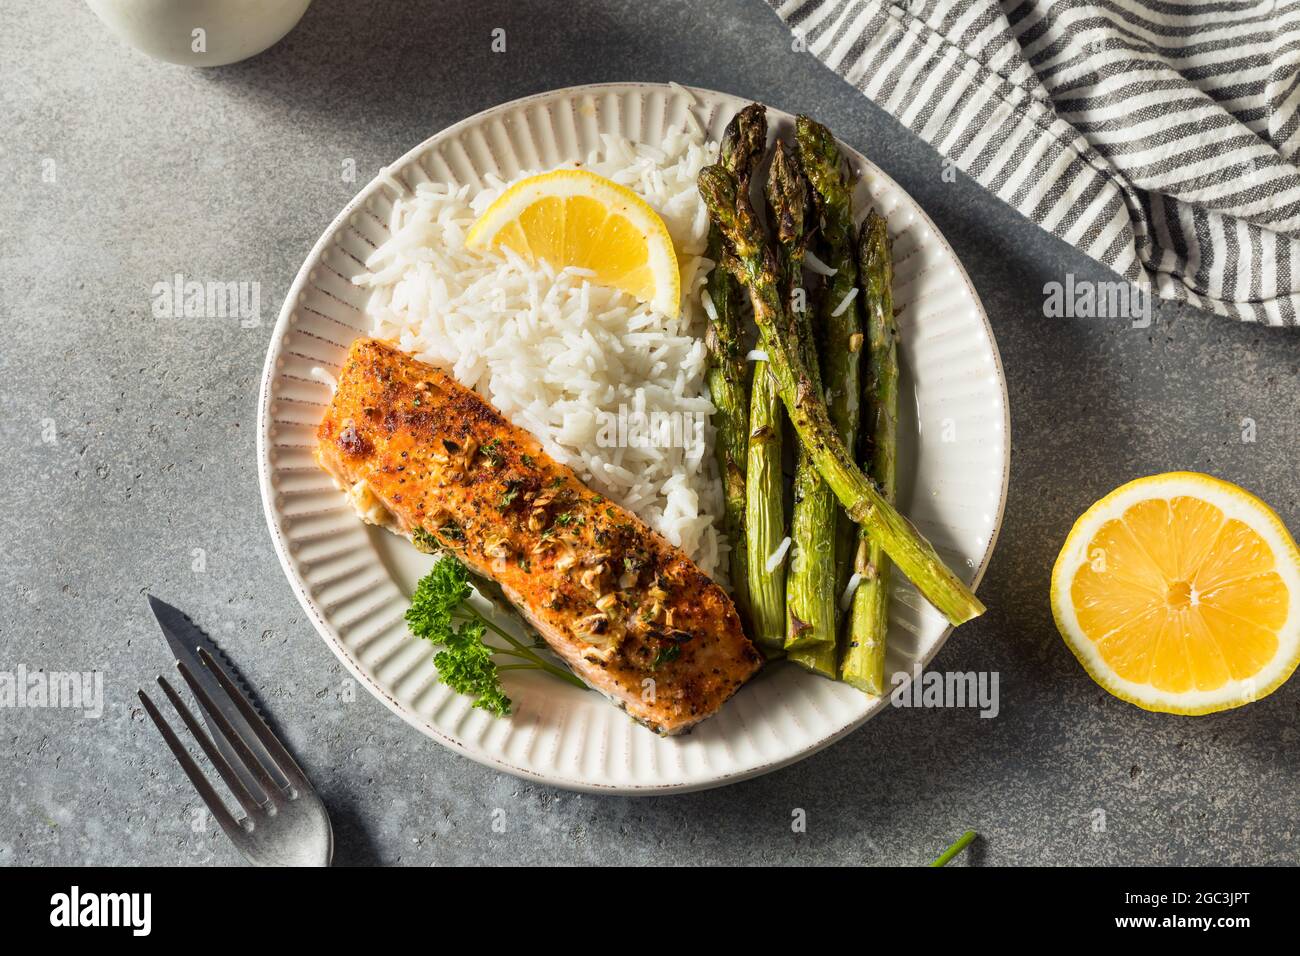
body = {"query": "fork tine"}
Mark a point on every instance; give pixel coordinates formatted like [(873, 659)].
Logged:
[(200, 782), (287, 765), (253, 765), (241, 793)]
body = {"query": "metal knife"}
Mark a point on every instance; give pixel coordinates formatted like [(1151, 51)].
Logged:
[(184, 638)]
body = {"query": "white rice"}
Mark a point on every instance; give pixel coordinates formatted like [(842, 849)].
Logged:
[(325, 378), (558, 355), (710, 309), (846, 599), (816, 265), (776, 557)]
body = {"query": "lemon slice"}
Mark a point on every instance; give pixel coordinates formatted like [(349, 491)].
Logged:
[(1181, 593), (571, 217)]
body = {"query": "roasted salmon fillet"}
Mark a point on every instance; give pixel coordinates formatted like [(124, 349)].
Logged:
[(628, 612)]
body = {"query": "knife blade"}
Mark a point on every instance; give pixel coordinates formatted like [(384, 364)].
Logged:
[(184, 638)]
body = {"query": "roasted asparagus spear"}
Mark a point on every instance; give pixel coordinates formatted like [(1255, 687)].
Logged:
[(810, 580), (741, 148), (752, 259), (863, 664), (762, 489), (840, 340), (839, 324), (765, 512)]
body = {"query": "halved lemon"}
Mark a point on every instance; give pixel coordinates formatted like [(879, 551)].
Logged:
[(571, 217), (1181, 593)]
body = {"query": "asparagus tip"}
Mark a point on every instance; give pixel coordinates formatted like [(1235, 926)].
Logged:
[(744, 140)]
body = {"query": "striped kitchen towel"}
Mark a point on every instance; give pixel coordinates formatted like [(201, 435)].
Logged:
[(1158, 136)]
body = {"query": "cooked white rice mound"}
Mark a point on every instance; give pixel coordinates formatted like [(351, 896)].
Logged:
[(610, 387)]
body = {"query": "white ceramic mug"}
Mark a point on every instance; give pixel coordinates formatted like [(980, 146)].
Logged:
[(200, 32)]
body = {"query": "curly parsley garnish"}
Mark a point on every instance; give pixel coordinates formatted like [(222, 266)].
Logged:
[(440, 612)]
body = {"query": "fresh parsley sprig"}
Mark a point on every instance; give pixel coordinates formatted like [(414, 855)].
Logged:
[(440, 612)]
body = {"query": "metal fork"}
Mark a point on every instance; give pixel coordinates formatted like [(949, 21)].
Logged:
[(284, 826)]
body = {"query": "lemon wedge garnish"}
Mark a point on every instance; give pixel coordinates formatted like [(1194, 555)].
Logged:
[(571, 217), (1181, 593)]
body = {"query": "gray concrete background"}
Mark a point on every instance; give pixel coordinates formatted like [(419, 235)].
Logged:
[(232, 174)]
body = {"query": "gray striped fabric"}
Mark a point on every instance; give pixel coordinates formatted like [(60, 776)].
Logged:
[(1158, 136)]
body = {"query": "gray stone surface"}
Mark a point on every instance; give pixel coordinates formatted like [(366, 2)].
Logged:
[(232, 174)]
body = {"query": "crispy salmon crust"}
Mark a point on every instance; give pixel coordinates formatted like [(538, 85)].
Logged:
[(629, 613)]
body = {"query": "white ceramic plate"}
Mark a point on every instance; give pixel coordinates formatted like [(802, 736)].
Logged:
[(353, 580)]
